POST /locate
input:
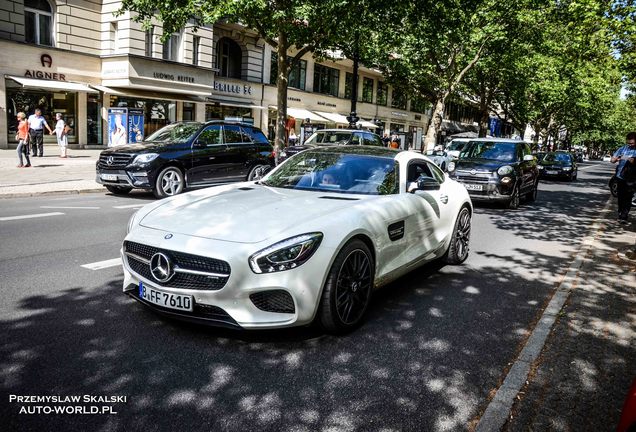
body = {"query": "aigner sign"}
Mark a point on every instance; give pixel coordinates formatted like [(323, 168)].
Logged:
[(46, 61)]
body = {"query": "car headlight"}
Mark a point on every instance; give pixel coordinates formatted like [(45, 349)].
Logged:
[(286, 255), (505, 170), (540, 167), (145, 158), (131, 223), (567, 168), (451, 166)]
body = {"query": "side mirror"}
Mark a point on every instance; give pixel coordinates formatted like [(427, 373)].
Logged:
[(427, 184), (528, 158)]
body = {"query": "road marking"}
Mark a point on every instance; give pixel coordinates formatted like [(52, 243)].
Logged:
[(99, 265), (498, 410), (31, 216), (70, 207), (587, 167), (128, 206)]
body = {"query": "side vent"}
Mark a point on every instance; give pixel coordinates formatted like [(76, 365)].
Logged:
[(338, 198)]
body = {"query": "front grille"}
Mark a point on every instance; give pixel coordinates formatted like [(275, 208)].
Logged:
[(182, 261), (119, 160), (273, 301), (467, 176)]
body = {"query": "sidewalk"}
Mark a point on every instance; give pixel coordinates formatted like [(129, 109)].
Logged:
[(49, 174), (581, 379)]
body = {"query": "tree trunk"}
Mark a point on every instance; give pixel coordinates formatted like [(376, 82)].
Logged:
[(484, 118), (436, 122), (281, 93)]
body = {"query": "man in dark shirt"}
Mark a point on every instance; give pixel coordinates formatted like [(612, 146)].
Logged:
[(624, 155)]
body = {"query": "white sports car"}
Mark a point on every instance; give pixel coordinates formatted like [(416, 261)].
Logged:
[(311, 240)]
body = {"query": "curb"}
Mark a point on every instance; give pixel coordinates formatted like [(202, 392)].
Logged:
[(498, 410), (50, 193)]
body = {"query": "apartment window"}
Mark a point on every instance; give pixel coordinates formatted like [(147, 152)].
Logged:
[(228, 58), (196, 41), (38, 22), (381, 94), (171, 47), (399, 100), (113, 37), (150, 35), (348, 84), (326, 80), (419, 104), (367, 90), (297, 74)]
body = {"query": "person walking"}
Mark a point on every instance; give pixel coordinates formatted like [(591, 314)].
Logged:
[(62, 134), (23, 140), (37, 123), (386, 139), (624, 156)]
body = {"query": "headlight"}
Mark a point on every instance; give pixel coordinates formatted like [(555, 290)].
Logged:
[(567, 168), (145, 158), (540, 167), (286, 255), (131, 223), (505, 170), (451, 166)]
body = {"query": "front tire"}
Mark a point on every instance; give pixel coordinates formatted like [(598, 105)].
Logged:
[(513, 204), (169, 182), (532, 195), (347, 292), (118, 190), (460, 240), (258, 171)]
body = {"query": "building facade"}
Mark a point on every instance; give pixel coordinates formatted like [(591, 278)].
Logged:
[(83, 60)]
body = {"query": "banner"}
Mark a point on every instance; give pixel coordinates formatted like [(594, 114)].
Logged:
[(117, 131), (135, 125)]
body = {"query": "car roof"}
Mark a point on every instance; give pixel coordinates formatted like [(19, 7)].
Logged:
[(358, 150), (343, 130), (489, 139)]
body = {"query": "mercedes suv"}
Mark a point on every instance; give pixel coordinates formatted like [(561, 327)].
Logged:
[(496, 169), (187, 154)]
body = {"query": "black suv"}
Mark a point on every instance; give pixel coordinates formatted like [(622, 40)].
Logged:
[(187, 154), (495, 169)]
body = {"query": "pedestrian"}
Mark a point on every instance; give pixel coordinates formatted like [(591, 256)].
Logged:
[(386, 139), (37, 123), (23, 140), (61, 130), (395, 142), (626, 158)]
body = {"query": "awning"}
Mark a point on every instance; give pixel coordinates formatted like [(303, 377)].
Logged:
[(144, 94), (367, 124), (52, 85), (302, 114), (334, 117), (239, 105)]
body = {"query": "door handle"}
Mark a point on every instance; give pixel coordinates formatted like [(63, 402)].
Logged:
[(444, 199)]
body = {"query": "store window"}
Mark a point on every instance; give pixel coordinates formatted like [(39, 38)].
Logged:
[(171, 47), (188, 111), (220, 112), (326, 80), (157, 113), (297, 74), (348, 85), (367, 90), (398, 100), (382, 93), (21, 99), (38, 22), (150, 35), (94, 119), (229, 58)]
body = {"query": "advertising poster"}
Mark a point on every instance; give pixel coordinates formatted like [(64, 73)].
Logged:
[(135, 125), (117, 121)]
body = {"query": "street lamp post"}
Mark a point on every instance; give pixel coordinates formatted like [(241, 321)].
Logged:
[(353, 118)]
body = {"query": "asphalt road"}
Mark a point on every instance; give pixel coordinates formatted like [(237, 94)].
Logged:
[(436, 344)]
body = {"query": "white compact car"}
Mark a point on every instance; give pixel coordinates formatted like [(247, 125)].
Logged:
[(311, 240), (440, 157)]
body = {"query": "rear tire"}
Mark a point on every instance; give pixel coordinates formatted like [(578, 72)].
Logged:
[(119, 190), (169, 182), (460, 240), (347, 292)]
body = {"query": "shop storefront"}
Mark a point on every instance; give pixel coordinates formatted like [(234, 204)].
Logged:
[(235, 100)]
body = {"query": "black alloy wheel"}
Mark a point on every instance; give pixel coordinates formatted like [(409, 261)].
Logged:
[(258, 171), (514, 199), (169, 182), (347, 292), (118, 190), (460, 241)]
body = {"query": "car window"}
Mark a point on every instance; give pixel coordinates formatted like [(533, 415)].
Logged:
[(176, 132), (211, 135), (233, 134), (356, 138), (416, 170), (256, 135), (438, 174)]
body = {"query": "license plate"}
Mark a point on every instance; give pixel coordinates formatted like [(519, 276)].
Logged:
[(164, 299), (110, 177), (475, 187), (552, 172)]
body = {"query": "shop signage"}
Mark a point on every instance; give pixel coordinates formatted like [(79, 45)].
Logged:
[(398, 114), (46, 61), (223, 87), (332, 105), (173, 77)]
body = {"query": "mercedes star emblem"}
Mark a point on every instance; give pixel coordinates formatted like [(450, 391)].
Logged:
[(160, 267), (110, 160), (473, 172)]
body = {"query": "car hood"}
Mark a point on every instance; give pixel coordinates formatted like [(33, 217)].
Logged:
[(244, 212), (481, 164), (147, 147)]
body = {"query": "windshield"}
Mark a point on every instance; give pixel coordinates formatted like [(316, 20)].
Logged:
[(456, 145), (176, 132), (329, 138), (499, 151), (337, 172), (557, 157)]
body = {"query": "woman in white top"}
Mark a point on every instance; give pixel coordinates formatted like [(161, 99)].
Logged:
[(62, 138)]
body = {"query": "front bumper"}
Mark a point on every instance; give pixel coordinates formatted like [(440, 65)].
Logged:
[(231, 305), (120, 177), (490, 191)]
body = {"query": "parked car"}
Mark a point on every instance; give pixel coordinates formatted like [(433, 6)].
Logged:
[(440, 157), (627, 422), (607, 158), (539, 155), (187, 154), (329, 137), (496, 169), (454, 148), (311, 240), (558, 164)]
